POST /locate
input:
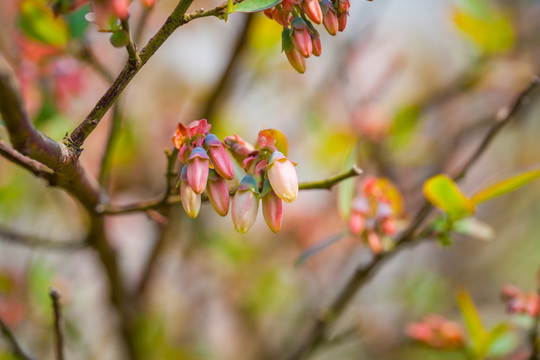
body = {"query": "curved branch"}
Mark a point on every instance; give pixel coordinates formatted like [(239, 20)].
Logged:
[(33, 166)]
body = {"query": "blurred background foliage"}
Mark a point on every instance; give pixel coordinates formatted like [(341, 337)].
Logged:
[(405, 92)]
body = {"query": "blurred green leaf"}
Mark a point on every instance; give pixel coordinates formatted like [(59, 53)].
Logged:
[(318, 247), (404, 126), (77, 23), (505, 186), (473, 323), (38, 22), (39, 281), (488, 27), (500, 342), (474, 228), (255, 5), (442, 192)]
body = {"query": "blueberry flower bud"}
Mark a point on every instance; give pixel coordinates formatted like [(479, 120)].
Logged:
[(197, 169), (272, 207), (219, 157), (282, 176), (330, 19), (245, 205), (357, 223), (342, 21), (218, 193), (301, 38), (313, 10), (316, 44), (190, 200), (297, 61)]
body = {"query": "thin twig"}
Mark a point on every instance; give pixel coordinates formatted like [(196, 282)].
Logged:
[(26, 240), (362, 274), (112, 138), (33, 166), (58, 334), (16, 349), (159, 201)]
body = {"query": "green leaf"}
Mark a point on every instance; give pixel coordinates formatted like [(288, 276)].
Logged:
[(119, 38), (250, 6), (442, 192), (500, 342), (505, 186), (38, 22), (475, 328), (474, 228), (317, 248)]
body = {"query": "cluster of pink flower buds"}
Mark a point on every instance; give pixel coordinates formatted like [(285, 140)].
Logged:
[(300, 39), (270, 177), (437, 332), (520, 302), (206, 166), (374, 213)]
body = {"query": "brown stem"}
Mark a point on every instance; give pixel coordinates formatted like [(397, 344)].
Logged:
[(58, 333), (33, 166)]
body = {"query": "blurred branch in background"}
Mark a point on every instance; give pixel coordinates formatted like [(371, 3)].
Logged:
[(317, 333), (57, 317), (223, 83), (16, 348), (32, 241)]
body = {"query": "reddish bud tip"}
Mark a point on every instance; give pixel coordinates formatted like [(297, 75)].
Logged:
[(313, 10), (218, 193), (197, 169), (273, 211)]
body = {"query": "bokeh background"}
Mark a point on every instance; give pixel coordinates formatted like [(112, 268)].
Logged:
[(406, 92)]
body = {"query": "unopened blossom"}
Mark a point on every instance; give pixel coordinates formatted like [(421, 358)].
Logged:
[(301, 38), (149, 3), (330, 19), (219, 157), (520, 302), (316, 44), (120, 8), (282, 176), (197, 169), (342, 21), (313, 10), (357, 223), (191, 201), (218, 193), (375, 242), (437, 332), (297, 61), (272, 210), (245, 205)]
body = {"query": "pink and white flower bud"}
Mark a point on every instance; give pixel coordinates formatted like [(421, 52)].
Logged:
[(282, 176), (272, 210), (343, 6), (219, 157), (342, 21), (197, 169), (120, 8), (245, 205), (330, 19), (316, 44), (301, 38), (297, 61), (218, 193), (374, 242), (357, 223), (313, 10), (190, 200)]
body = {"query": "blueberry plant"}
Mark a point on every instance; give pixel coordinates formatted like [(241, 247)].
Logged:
[(232, 174)]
